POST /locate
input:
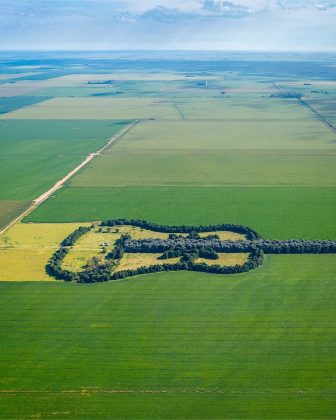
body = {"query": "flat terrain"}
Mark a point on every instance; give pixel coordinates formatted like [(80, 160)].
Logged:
[(174, 345), (222, 139)]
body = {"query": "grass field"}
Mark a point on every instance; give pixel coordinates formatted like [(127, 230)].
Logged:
[(276, 213), (97, 109), (185, 345)]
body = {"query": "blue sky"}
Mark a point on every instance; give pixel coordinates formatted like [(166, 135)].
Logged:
[(168, 24)]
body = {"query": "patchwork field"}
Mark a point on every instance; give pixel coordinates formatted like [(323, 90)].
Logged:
[(222, 140)]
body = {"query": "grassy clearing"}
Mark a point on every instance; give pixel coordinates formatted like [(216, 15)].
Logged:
[(174, 345), (276, 213), (133, 261), (98, 109), (225, 259), (9, 209), (36, 154)]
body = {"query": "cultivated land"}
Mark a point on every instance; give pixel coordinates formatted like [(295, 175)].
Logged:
[(97, 109), (211, 146), (175, 345)]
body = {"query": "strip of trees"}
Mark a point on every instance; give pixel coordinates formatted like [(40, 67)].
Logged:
[(180, 245)]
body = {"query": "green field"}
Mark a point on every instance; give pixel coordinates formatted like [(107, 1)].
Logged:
[(258, 345), (276, 213)]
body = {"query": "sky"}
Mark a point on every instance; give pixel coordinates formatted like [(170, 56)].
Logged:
[(243, 25)]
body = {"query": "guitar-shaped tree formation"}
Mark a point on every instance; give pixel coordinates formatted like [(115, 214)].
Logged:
[(195, 248)]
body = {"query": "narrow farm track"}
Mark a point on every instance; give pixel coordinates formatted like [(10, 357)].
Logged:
[(43, 197)]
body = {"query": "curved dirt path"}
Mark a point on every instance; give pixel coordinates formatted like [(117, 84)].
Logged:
[(69, 175)]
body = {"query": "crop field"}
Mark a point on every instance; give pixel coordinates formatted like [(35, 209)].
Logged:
[(241, 140), (97, 109), (183, 345), (281, 213)]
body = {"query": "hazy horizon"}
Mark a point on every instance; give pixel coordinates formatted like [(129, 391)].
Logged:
[(169, 25)]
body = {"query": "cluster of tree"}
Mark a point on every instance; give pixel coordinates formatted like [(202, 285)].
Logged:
[(250, 234), (193, 253), (96, 271), (176, 247), (75, 235), (118, 250)]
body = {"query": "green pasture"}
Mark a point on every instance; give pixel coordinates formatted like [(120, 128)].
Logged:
[(174, 345), (276, 213)]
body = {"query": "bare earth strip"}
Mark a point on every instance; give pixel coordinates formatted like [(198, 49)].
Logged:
[(62, 181)]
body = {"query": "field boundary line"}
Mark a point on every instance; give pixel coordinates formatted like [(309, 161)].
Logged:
[(178, 109), (312, 109), (43, 197)]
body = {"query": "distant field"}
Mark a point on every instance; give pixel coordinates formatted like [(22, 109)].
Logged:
[(98, 109), (174, 345), (243, 109), (36, 154), (13, 103), (308, 213)]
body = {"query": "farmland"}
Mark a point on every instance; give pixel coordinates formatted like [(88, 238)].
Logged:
[(218, 140), (174, 345), (36, 154)]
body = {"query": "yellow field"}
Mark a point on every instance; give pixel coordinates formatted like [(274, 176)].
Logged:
[(26, 248), (97, 109)]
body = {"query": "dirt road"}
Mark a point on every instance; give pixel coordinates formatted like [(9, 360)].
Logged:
[(62, 181)]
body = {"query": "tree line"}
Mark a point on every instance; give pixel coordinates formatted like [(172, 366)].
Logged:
[(250, 233), (179, 245)]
